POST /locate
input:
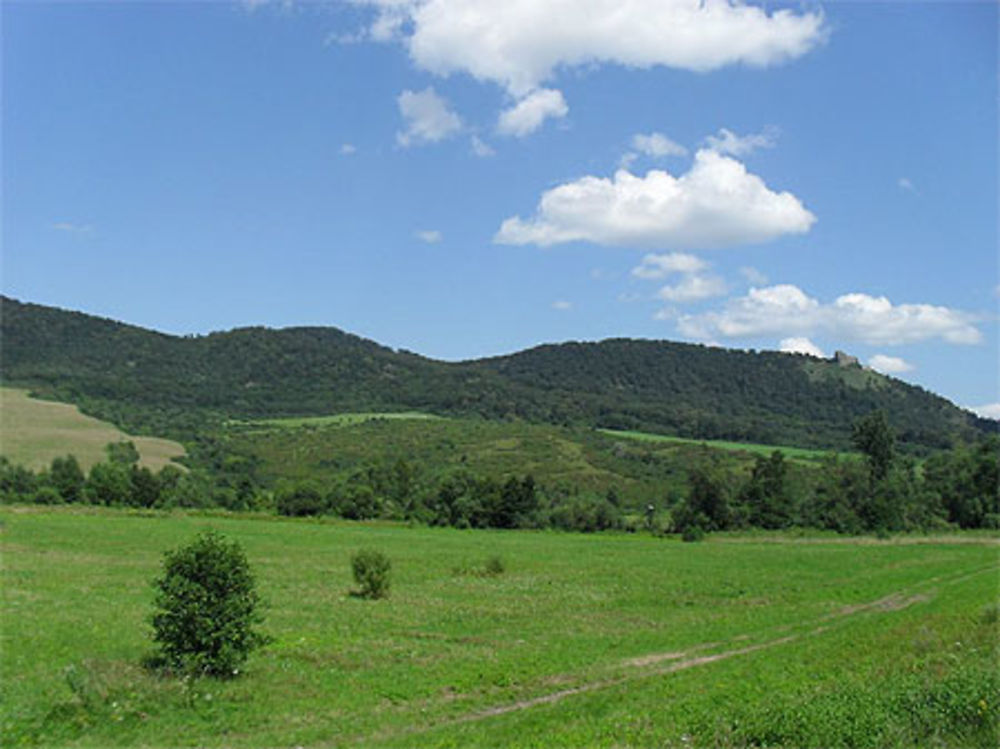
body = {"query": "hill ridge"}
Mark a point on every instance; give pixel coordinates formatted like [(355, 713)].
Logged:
[(146, 381)]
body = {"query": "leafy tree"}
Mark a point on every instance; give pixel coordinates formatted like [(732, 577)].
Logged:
[(145, 487), (207, 608), (873, 436), (17, 483), (766, 494), (707, 503), (67, 478), (123, 453), (109, 484)]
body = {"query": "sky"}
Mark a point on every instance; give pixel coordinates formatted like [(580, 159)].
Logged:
[(463, 178)]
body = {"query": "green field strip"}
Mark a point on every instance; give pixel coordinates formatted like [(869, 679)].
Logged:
[(797, 453)]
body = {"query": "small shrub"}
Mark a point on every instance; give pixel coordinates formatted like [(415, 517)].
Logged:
[(207, 606), (47, 495), (371, 573), (693, 533)]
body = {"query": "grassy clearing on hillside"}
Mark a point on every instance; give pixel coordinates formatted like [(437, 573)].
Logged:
[(582, 459), (795, 453), (603, 640), (33, 432), (336, 420)]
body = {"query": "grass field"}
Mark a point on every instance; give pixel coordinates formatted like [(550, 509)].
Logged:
[(795, 453), (33, 432), (602, 640)]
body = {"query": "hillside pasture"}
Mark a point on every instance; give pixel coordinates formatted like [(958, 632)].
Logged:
[(33, 432), (602, 640), (573, 459), (794, 453)]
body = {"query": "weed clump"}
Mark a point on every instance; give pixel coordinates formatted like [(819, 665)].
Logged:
[(207, 607), (371, 570), (494, 566)]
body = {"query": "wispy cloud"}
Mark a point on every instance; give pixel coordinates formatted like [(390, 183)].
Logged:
[(889, 364), (71, 228), (754, 276), (428, 118), (430, 236), (741, 145), (528, 114), (480, 148)]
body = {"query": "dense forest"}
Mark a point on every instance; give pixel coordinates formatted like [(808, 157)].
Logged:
[(151, 383)]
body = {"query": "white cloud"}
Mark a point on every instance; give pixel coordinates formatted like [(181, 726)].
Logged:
[(693, 288), (715, 204), (889, 364), (562, 305), (657, 145), (730, 143), (70, 228), (904, 183), (654, 145), (348, 148), (520, 44), (480, 148), (529, 113), (655, 267), (785, 310), (987, 410), (753, 275), (801, 345), (430, 236), (428, 118)]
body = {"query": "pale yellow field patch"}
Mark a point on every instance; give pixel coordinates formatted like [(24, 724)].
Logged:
[(33, 432)]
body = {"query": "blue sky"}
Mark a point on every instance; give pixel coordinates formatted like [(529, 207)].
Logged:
[(464, 177)]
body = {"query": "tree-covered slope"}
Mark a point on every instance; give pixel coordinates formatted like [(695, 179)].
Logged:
[(152, 382)]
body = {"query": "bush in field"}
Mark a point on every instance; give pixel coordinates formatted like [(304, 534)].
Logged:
[(693, 534), (300, 500), (371, 573), (207, 608), (494, 566)]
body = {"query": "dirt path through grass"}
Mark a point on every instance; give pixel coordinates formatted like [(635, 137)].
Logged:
[(640, 667)]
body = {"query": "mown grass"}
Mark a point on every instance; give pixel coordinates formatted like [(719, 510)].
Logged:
[(795, 453), (33, 432), (802, 660)]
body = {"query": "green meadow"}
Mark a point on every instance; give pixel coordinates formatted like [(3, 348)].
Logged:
[(795, 453), (583, 640), (33, 432)]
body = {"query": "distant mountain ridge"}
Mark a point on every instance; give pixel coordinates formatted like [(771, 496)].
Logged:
[(152, 382)]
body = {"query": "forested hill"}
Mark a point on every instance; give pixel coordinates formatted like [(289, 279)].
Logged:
[(151, 382)]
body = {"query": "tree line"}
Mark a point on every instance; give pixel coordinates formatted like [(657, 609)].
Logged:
[(884, 492)]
